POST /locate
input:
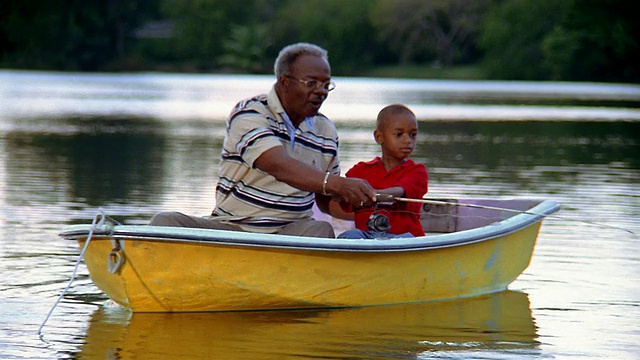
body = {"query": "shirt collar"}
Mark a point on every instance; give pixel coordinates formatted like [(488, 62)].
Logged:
[(276, 106), (378, 160)]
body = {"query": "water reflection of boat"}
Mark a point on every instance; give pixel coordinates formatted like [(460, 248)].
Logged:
[(479, 248), (499, 322)]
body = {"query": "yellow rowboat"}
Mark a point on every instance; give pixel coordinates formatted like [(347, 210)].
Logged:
[(473, 247)]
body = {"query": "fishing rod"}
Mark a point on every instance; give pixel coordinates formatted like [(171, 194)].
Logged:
[(389, 198)]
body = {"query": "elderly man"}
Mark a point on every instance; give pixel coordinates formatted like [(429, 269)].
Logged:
[(280, 155)]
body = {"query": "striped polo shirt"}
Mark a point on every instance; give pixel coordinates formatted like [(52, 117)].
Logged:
[(252, 198)]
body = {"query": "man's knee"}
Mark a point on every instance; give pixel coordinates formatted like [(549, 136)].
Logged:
[(325, 230), (310, 228), (169, 218)]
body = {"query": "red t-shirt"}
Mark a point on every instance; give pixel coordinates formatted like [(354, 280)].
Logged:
[(403, 216)]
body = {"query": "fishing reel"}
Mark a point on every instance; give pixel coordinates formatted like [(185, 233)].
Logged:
[(377, 221)]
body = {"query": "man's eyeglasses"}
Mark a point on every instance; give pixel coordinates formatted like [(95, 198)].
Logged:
[(315, 84)]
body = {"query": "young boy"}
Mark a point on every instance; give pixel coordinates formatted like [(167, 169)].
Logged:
[(392, 173)]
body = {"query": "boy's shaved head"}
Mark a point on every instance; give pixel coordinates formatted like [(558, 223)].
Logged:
[(388, 112)]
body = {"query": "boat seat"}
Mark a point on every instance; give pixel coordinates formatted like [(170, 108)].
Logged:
[(439, 218)]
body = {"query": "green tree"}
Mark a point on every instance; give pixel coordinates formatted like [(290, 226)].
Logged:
[(582, 40), (513, 34), (246, 49), (597, 40), (69, 35), (200, 27), (205, 28), (341, 27), (440, 30)]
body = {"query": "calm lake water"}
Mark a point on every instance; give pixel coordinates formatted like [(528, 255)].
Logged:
[(136, 144)]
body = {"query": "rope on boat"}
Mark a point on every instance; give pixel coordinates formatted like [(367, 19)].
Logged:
[(440, 202), (96, 224)]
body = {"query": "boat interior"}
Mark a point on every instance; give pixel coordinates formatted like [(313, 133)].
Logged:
[(451, 215)]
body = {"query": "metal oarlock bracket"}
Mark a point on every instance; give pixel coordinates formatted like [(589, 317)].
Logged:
[(115, 260)]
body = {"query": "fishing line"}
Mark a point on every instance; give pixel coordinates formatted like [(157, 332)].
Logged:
[(420, 213), (440, 202)]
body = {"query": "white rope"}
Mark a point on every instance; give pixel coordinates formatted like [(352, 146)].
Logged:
[(94, 225)]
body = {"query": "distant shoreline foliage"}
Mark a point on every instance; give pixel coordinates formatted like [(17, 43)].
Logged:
[(570, 40)]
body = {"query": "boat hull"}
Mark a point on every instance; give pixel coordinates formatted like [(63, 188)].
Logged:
[(164, 274)]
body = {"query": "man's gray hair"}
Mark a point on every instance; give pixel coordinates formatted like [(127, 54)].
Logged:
[(290, 53)]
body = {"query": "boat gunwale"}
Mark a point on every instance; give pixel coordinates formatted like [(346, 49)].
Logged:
[(273, 241)]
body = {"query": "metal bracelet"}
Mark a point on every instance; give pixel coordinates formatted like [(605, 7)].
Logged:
[(324, 183)]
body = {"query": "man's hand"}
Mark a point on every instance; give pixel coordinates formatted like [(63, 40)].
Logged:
[(355, 191)]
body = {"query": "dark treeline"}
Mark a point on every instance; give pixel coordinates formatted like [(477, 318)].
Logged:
[(581, 40)]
